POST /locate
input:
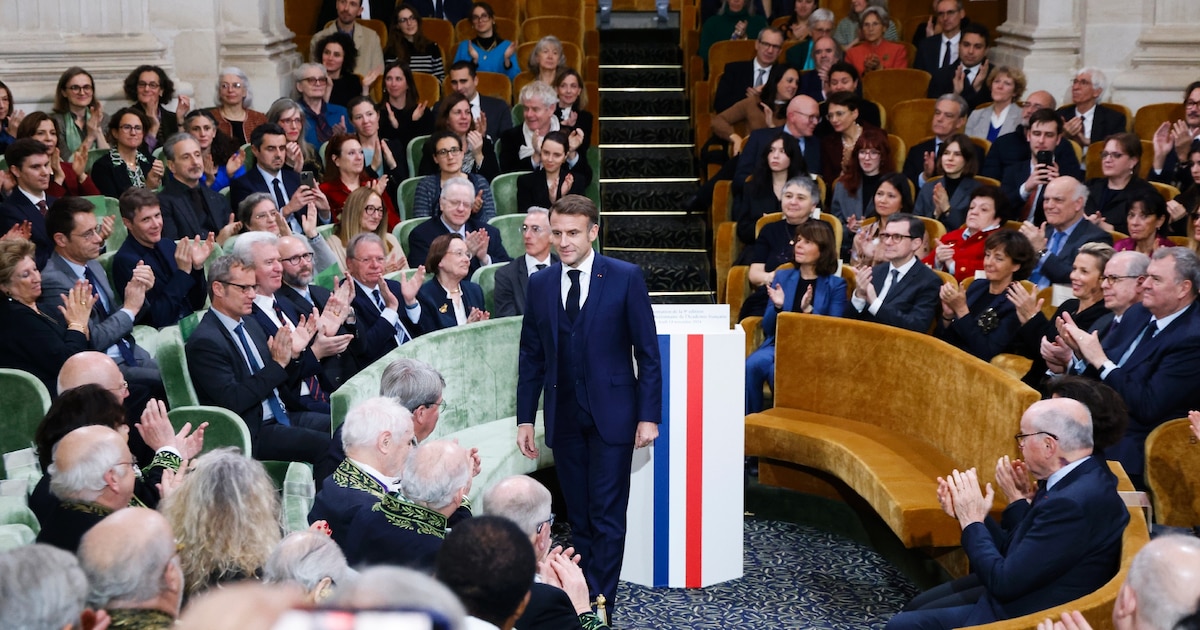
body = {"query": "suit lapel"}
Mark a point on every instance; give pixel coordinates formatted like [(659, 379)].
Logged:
[(792, 281), (595, 292)]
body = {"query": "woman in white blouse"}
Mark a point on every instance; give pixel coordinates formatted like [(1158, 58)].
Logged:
[(1004, 114)]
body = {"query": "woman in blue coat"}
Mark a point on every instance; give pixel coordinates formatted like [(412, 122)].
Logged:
[(814, 286)]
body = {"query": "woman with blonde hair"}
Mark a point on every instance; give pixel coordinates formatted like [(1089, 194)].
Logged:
[(1007, 86), (364, 212)]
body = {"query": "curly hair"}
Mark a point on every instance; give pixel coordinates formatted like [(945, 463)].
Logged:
[(349, 50), (164, 83)]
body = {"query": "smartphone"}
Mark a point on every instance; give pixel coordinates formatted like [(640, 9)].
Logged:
[(1045, 157), (307, 179)]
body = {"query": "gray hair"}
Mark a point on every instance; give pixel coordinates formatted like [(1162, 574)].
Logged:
[(538, 210), (412, 383), (808, 184), (396, 587), (1102, 252), (459, 181), (1079, 190), (548, 40), (221, 270), (1099, 80), (963, 107), (821, 15), (306, 558), (1065, 426), (520, 499), (539, 90), (369, 419), (1187, 264), (41, 587), (237, 72), (880, 12), (359, 239), (168, 146), (84, 480), (1137, 262), (1158, 573), (243, 247), (253, 199), (134, 572), (434, 473)]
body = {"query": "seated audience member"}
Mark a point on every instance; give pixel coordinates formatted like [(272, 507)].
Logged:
[(456, 204), (377, 437), (966, 77), (490, 564), (513, 278), (774, 247), (779, 161), (960, 252), (296, 257), (843, 77), (25, 208), (1145, 222), (323, 120), (1051, 546), (234, 96), (301, 156), (825, 53), (746, 79), (873, 52), (1152, 356), (36, 342), (268, 143), (454, 115), (67, 176), (558, 597), (937, 40), (546, 61), (456, 299), (806, 24), (735, 20), (418, 386), (1109, 416), (557, 176), (126, 166), (1109, 197), (136, 579), (981, 319), (397, 587), (1086, 121), (148, 87), (487, 50), (363, 213), (803, 113), (1173, 141), (572, 103), (257, 213), (402, 114), (516, 144), (408, 45), (949, 118), (849, 29), (1160, 591), (758, 110), (464, 79), (1006, 86), (234, 365), (813, 286), (313, 561), (92, 475), (188, 207), (345, 172), (255, 606), (1064, 231), (225, 516), (338, 54), (447, 149), (223, 157), (868, 161), (366, 40), (178, 289), (42, 587), (1025, 181), (1186, 203), (79, 113), (380, 325), (409, 532), (948, 198), (841, 110), (1013, 148), (892, 197), (900, 292), (380, 157)]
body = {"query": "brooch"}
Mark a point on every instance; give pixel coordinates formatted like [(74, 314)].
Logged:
[(442, 309), (988, 321)]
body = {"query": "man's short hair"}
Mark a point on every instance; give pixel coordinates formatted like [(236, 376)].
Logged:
[(844, 67), (1099, 79), (265, 129), (1044, 116), (963, 107), (978, 29), (431, 478), (369, 419), (489, 563), (539, 90), (243, 247), (916, 227), (60, 218), (458, 181), (221, 270), (769, 29), (1187, 264), (84, 479), (576, 205), (134, 199), (169, 145), (21, 149), (1151, 578), (41, 587), (520, 499), (465, 64), (130, 574), (306, 557), (358, 240), (1138, 262), (412, 383)]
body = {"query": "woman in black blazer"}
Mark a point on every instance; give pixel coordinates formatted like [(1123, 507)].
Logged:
[(455, 299), (556, 177), (572, 99)]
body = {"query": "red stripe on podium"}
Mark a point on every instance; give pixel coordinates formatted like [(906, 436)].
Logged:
[(695, 462)]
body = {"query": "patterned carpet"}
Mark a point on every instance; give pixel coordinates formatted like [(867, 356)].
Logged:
[(796, 577)]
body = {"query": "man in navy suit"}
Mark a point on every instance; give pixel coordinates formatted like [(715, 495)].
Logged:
[(803, 114), (512, 280), (269, 146), (1024, 183), (296, 257), (587, 321), (968, 76), (1064, 231), (1086, 120), (901, 292), (815, 84), (483, 240), (465, 80), (934, 52), (949, 117), (387, 313), (452, 10), (1012, 148), (1055, 543), (1153, 368), (29, 164), (742, 78)]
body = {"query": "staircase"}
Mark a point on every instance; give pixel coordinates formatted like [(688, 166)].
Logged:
[(647, 166)]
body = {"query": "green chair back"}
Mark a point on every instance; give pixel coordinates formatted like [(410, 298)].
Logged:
[(189, 323), (485, 277), (321, 150), (326, 230), (3, 163), (93, 155), (405, 274), (518, 116), (509, 226), (249, 161), (225, 428), (593, 189), (504, 191), (105, 206), (299, 488), (415, 147), (26, 402), (327, 276), (172, 363), (106, 261), (404, 228), (405, 193)]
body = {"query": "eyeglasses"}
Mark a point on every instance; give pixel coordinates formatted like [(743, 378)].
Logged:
[(480, 17), (235, 86), (153, 85), (1116, 279), (295, 120), (245, 288), (445, 152), (872, 24), (457, 204), (295, 260), (462, 253), (837, 114), (131, 128), (405, 20), (92, 233), (315, 80), (137, 472), (547, 522), (813, 117), (1020, 437), (1191, 104), (888, 236), (123, 388), (1104, 155), (536, 229), (80, 88), (870, 153), (1031, 106), (770, 46), (942, 14), (1079, 81), (373, 210)]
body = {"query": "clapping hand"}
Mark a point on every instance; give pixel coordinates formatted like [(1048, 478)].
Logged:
[(1012, 475), (971, 505)]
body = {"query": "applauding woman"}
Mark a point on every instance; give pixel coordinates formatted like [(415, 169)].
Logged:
[(982, 319), (345, 172), (487, 51), (457, 300), (149, 87), (556, 178), (960, 252), (947, 199), (126, 166), (447, 151), (402, 114)]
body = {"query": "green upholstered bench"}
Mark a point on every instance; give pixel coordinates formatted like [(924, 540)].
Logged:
[(479, 363)]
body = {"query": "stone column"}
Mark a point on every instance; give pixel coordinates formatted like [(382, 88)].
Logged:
[(1162, 57), (1045, 39), (252, 36)]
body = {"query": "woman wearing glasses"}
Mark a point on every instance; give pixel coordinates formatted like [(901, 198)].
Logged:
[(346, 172), (487, 50), (455, 300), (149, 87), (869, 160), (1109, 196), (79, 114), (409, 46), (322, 120), (233, 113), (363, 212), (836, 148), (982, 318), (126, 166), (873, 52), (479, 152), (447, 150)]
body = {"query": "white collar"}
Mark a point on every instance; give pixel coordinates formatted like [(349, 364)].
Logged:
[(1058, 475), (585, 265), (392, 484)]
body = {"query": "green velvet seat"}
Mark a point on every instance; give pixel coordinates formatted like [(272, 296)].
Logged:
[(509, 226), (593, 189), (504, 191), (22, 466), (415, 147), (107, 206), (13, 536), (189, 323), (249, 162), (298, 493), (172, 363), (15, 511), (404, 228), (405, 193), (485, 277), (93, 155), (26, 402), (327, 276), (225, 428)]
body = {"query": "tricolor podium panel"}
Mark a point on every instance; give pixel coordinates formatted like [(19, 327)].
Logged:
[(686, 493)]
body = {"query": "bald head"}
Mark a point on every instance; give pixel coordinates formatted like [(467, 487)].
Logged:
[(1068, 421), (1163, 585), (802, 115), (521, 499), (127, 571), (93, 464), (91, 367)]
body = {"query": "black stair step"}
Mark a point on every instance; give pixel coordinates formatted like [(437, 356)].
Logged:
[(655, 231), (636, 53), (669, 271), (645, 132), (647, 162), (705, 297), (617, 196), (643, 104), (641, 77)]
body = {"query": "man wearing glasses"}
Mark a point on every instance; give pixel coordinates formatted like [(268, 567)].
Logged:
[(512, 278), (456, 217), (746, 78), (803, 114), (1057, 540), (901, 292)]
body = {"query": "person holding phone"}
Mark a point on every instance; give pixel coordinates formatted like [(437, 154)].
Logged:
[(291, 193), (1024, 183)]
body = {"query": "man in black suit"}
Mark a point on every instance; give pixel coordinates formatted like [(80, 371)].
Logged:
[(189, 207), (483, 240), (29, 165), (93, 475), (297, 288), (1024, 183), (967, 77), (269, 146), (235, 365), (803, 114), (949, 117), (844, 78), (1123, 282), (1058, 239), (1012, 148), (465, 81), (938, 52), (1086, 120), (380, 323), (452, 10), (815, 84), (516, 153), (901, 292), (513, 278), (743, 78)]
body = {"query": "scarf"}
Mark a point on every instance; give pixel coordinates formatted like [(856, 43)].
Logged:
[(135, 174), (526, 150), (324, 130)]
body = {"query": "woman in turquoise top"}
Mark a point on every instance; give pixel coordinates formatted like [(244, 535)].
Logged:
[(487, 50), (735, 20)]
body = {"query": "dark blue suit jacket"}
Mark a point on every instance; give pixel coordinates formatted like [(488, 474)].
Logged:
[(422, 237), (435, 296), (18, 209), (374, 336), (912, 303), (829, 298), (175, 294), (1105, 122), (737, 77), (615, 319), (1057, 267), (759, 140), (309, 365), (253, 182), (1013, 148)]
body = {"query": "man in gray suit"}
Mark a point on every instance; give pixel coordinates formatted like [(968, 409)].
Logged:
[(511, 279)]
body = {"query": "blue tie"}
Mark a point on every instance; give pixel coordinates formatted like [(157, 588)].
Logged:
[(1151, 329), (1056, 241), (273, 403), (124, 347), (401, 332)]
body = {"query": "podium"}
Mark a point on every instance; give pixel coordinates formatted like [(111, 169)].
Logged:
[(686, 498)]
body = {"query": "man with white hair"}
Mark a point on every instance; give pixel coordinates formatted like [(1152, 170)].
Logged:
[(517, 144), (455, 217), (418, 387), (93, 475), (41, 587), (1086, 121), (376, 437), (387, 313), (513, 278), (297, 257), (1065, 230), (138, 579), (312, 560)]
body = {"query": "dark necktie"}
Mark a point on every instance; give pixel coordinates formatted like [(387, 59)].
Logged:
[(573, 295), (200, 207), (273, 402), (540, 266), (946, 56), (279, 199), (1148, 332), (42, 207), (1041, 491), (761, 77), (314, 383), (437, 9), (124, 347), (401, 331)]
